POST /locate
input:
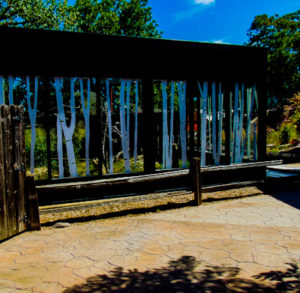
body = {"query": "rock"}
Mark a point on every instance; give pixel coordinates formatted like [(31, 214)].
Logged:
[(61, 225)]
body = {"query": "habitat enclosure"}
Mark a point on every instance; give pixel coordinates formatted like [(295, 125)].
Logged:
[(99, 106)]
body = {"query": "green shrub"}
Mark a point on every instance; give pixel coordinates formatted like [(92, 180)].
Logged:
[(273, 137), (287, 133), (296, 120), (40, 150), (79, 139)]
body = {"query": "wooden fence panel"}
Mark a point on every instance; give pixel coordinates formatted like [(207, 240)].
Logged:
[(17, 118), (13, 201), (8, 171), (3, 198)]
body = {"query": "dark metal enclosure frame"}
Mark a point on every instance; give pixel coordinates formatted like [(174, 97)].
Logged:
[(56, 53)]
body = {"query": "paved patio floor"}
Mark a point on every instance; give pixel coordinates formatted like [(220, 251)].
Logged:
[(253, 235)]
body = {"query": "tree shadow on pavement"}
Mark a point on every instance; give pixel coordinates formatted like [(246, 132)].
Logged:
[(182, 276)]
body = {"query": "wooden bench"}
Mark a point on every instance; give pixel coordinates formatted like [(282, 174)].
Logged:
[(217, 178)]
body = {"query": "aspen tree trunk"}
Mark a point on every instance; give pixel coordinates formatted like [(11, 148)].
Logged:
[(203, 95)]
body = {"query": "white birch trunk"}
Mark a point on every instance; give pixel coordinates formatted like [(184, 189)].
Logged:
[(203, 95), (250, 106), (86, 115), (136, 122), (2, 99), (182, 117), (128, 84), (170, 152), (242, 123), (110, 145), (124, 123), (236, 123), (209, 122), (67, 131), (32, 115), (214, 123), (220, 124), (10, 89), (239, 155)]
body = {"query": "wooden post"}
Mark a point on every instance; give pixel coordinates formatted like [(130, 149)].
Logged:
[(196, 171), (8, 159), (32, 204)]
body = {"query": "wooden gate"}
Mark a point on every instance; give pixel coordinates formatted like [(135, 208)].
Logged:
[(15, 199)]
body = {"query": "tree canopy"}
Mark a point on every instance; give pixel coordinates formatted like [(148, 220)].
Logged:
[(281, 35), (119, 17), (43, 14)]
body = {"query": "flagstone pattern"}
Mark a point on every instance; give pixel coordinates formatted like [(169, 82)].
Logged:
[(255, 234)]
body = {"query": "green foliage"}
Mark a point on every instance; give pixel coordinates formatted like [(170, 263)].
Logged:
[(296, 120), (40, 150), (287, 132), (43, 14), (119, 17), (292, 111), (79, 138), (281, 35), (119, 165), (273, 137)]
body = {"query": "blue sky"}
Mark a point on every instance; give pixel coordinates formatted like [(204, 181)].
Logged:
[(219, 21)]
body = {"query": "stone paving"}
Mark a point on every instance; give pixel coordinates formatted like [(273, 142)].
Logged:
[(255, 234)]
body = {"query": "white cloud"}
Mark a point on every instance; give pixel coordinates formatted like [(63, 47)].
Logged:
[(204, 2), (194, 7), (219, 41)]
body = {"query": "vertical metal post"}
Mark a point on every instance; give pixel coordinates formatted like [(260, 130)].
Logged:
[(99, 133), (48, 125), (190, 94), (198, 122), (148, 105)]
